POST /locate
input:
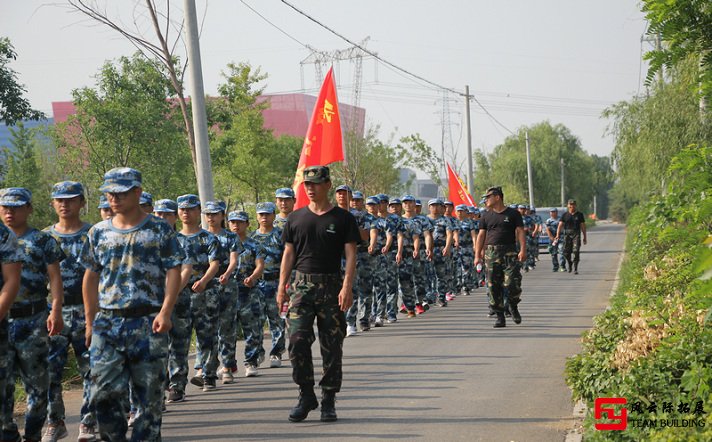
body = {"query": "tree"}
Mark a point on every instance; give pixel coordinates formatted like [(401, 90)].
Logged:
[(13, 106), (247, 159), (127, 120), (415, 153)]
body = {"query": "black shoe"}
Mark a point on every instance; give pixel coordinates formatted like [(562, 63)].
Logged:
[(175, 395), (328, 408), (307, 402), (500, 322), (197, 380), (209, 384), (507, 312), (515, 314)]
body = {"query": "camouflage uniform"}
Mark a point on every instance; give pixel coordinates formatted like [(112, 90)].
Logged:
[(394, 225), (422, 266), (557, 259), (313, 298), (535, 241), (467, 277), (272, 246), (453, 261), (227, 299), (381, 273), (439, 284), (479, 276), (502, 264), (28, 342), (9, 253), (365, 267), (73, 333), (528, 229), (410, 228), (279, 222), (196, 310)]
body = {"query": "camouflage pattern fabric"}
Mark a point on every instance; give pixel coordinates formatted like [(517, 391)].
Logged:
[(38, 250), (503, 273)]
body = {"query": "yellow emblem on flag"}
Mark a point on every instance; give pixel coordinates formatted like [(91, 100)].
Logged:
[(328, 111)]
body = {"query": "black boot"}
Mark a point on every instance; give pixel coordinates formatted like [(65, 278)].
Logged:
[(307, 402), (500, 322), (515, 314), (328, 407), (576, 268)]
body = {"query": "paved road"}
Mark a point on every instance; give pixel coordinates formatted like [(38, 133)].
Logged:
[(445, 375)]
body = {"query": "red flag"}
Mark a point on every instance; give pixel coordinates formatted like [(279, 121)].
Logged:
[(458, 190), (323, 143)]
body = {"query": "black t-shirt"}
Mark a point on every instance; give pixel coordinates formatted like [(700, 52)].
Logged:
[(319, 240), (501, 227), (572, 221)]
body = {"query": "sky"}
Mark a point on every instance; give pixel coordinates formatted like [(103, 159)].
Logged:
[(524, 61)]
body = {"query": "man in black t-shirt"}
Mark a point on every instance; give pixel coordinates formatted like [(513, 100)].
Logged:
[(573, 224), (501, 228), (315, 239)]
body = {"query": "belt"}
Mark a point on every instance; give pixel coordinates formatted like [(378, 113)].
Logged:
[(73, 299), (270, 276), (318, 277), (23, 311), (501, 246), (132, 312)]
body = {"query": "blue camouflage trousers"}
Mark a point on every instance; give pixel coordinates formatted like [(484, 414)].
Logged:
[(363, 290), (249, 308), (72, 335), (431, 282), (452, 263), (270, 314), (391, 284), (27, 351), (468, 276), (204, 318), (380, 287), (126, 351), (441, 281), (3, 356), (532, 247), (406, 278), (179, 342), (227, 324)]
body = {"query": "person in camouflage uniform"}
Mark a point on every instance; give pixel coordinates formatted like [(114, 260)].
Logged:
[(393, 218), (423, 266), (146, 202), (250, 265), (28, 321), (104, 208), (442, 247), (500, 228), (409, 238), (130, 286), (479, 274), (198, 301), (388, 227), (270, 239), (467, 237), (71, 234), (360, 311), (529, 229), (573, 225), (369, 307), (318, 291), (551, 225), (538, 225), (453, 259), (285, 200)]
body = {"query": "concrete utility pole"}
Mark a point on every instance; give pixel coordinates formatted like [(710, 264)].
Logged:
[(470, 178), (203, 172), (529, 172), (563, 200)]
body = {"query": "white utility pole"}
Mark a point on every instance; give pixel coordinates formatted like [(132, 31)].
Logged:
[(470, 178), (203, 171), (563, 200), (529, 172)]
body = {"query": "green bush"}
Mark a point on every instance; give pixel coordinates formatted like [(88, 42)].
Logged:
[(654, 344)]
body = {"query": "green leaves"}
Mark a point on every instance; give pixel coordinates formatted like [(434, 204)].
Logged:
[(13, 106)]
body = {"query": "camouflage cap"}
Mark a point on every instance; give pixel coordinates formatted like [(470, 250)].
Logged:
[(67, 189), (406, 197), (267, 207), (284, 192), (165, 206), (343, 187), (316, 174), (356, 195), (394, 201), (212, 207), (462, 207), (146, 198), (437, 201), (448, 203), (372, 200), (382, 197), (188, 201), (521, 206), (15, 197), (222, 204), (572, 201), (418, 203), (103, 203), (238, 216), (120, 179)]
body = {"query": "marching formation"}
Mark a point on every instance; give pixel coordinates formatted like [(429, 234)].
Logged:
[(127, 293)]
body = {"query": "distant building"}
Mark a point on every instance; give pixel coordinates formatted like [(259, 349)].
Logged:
[(423, 189)]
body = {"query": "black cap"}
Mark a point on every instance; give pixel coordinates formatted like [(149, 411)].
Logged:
[(494, 191), (316, 174), (572, 202)]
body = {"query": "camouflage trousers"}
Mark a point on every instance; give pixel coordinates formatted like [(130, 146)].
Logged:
[(270, 314), (248, 312), (391, 285), (572, 244), (557, 257), (407, 280), (467, 274), (27, 351), (380, 287), (72, 335), (441, 282), (431, 282), (503, 273), (3, 356), (316, 297), (363, 290), (125, 351), (204, 316), (420, 278), (452, 262), (227, 324), (532, 247)]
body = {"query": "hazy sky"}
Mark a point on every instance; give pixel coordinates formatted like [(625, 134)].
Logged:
[(526, 61)]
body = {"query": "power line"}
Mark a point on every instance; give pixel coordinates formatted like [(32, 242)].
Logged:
[(274, 25), (382, 60)]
